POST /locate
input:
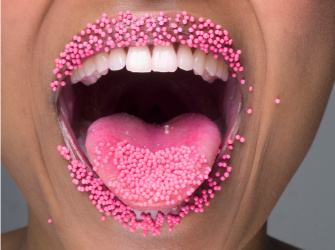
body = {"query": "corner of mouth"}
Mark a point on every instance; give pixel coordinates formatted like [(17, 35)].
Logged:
[(99, 74)]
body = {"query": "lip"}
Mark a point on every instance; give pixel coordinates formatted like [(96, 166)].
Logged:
[(62, 78)]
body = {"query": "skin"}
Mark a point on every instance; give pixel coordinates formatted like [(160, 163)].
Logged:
[(288, 52)]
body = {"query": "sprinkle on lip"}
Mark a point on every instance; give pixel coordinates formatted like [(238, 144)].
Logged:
[(128, 30)]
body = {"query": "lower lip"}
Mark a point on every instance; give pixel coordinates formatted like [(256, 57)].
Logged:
[(108, 204)]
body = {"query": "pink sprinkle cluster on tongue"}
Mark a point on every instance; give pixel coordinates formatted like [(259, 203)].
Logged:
[(152, 167)]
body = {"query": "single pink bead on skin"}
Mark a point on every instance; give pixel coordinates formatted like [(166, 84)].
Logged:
[(277, 101), (49, 221)]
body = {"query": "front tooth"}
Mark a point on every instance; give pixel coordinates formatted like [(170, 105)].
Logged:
[(199, 62), (211, 64), (164, 59), (117, 59), (89, 67), (222, 71), (185, 57), (101, 62), (138, 59)]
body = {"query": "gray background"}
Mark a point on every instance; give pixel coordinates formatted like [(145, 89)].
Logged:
[(304, 215)]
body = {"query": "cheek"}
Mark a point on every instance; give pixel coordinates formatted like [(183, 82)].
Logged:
[(299, 15), (299, 48), (299, 42), (302, 24)]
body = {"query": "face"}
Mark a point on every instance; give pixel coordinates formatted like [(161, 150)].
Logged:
[(288, 51)]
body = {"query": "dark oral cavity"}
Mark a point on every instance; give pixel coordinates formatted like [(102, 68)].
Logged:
[(155, 142)]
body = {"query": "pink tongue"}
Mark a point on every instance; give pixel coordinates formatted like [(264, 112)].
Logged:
[(152, 167)]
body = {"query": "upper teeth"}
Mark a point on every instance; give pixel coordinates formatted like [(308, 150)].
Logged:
[(163, 59)]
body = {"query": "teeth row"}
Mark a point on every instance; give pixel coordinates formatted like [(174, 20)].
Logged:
[(163, 59)]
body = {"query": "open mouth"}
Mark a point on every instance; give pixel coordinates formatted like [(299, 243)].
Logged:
[(149, 108)]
